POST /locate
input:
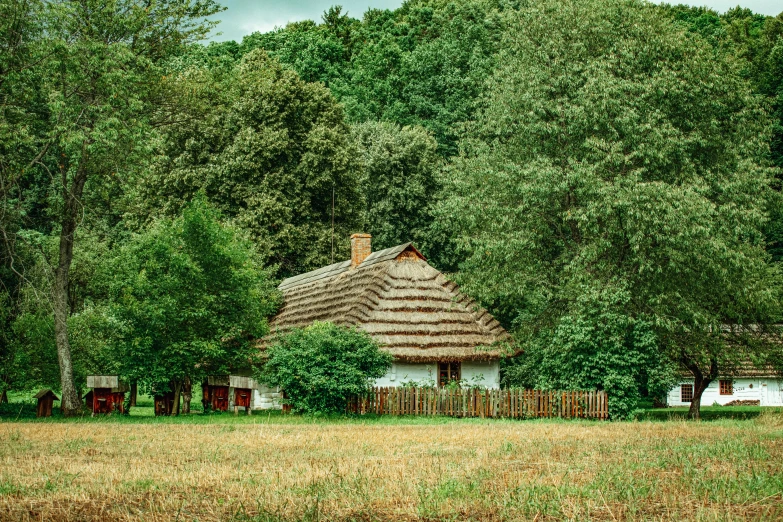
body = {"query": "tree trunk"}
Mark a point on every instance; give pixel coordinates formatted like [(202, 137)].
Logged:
[(694, 412), (187, 395), (700, 383), (134, 392), (4, 397), (62, 307), (177, 394)]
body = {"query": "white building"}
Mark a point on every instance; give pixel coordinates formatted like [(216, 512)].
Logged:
[(767, 390)]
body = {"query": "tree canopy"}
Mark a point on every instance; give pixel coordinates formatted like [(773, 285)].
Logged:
[(272, 152), (191, 297), (612, 196), (399, 181)]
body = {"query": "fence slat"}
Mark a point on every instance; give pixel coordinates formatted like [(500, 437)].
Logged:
[(458, 402)]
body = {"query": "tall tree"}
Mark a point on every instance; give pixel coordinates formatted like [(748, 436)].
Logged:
[(273, 153), (612, 195), (192, 298), (97, 66), (399, 168), (422, 64)]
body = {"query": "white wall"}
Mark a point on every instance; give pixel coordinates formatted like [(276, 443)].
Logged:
[(484, 373), (266, 398), (769, 391)]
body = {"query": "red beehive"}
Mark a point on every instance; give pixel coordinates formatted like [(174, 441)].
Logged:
[(108, 393), (217, 392)]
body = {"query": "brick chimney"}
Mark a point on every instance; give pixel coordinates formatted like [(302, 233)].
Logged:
[(361, 247)]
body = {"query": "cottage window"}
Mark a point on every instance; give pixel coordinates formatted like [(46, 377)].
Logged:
[(448, 371), (726, 387), (686, 393)]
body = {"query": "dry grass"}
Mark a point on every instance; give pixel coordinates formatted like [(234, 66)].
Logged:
[(451, 470)]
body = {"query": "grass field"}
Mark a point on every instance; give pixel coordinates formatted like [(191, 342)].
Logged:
[(275, 467)]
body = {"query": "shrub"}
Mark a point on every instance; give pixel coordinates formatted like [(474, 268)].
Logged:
[(321, 366)]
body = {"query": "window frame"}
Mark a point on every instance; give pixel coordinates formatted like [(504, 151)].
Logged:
[(683, 388), (452, 368), (726, 386)]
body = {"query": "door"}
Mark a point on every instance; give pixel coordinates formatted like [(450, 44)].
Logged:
[(764, 399)]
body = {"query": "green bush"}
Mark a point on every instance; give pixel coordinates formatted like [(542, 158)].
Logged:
[(321, 366)]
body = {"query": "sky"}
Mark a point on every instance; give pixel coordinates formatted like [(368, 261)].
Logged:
[(248, 16)]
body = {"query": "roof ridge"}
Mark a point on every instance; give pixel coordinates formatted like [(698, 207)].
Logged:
[(341, 266)]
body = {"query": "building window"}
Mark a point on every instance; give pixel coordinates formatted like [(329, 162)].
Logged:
[(726, 387), (447, 372), (686, 393)]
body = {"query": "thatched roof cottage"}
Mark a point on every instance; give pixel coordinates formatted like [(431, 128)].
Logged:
[(434, 332), (746, 385)]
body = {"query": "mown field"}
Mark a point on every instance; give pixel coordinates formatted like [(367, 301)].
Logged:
[(274, 467)]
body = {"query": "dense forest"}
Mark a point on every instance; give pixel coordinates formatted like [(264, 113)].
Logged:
[(603, 175)]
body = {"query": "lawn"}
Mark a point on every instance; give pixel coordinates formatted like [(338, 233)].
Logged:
[(282, 467)]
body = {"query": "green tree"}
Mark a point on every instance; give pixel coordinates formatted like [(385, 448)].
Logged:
[(314, 53), (95, 67), (422, 64), (271, 154), (322, 366), (191, 297), (398, 181), (29, 352), (613, 191)]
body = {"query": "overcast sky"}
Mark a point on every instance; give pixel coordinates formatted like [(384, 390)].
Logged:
[(247, 16)]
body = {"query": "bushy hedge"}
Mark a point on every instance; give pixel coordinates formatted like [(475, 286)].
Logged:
[(321, 366)]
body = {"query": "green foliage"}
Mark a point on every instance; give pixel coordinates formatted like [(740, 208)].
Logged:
[(315, 52), (323, 365), (422, 64), (268, 153), (612, 194), (191, 297), (597, 345), (83, 81), (29, 353), (756, 41), (398, 181)]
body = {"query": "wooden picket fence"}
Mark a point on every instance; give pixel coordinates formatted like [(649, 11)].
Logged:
[(465, 402)]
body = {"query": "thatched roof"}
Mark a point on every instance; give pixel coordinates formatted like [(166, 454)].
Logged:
[(405, 304), (744, 370)]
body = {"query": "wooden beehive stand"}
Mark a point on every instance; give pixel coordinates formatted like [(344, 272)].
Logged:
[(108, 394), (46, 400), (215, 392)]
